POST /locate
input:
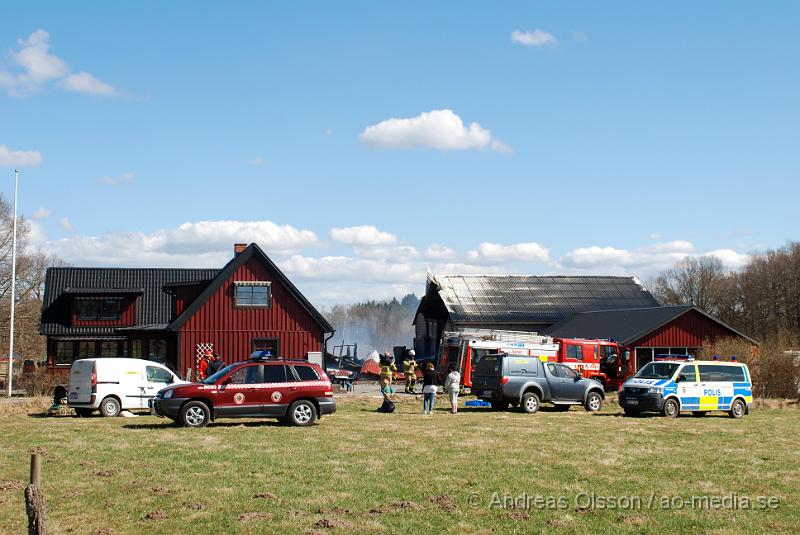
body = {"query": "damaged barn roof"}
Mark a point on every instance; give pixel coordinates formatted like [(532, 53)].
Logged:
[(539, 299)]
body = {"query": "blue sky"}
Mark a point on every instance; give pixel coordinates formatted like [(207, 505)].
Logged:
[(611, 138)]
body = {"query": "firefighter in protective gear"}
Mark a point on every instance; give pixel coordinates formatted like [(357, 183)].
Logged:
[(388, 370), (410, 369), (202, 364)]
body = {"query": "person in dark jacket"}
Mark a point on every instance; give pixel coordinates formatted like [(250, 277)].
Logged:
[(214, 366), (430, 385)]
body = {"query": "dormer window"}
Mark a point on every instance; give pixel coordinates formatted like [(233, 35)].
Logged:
[(253, 294), (98, 308)]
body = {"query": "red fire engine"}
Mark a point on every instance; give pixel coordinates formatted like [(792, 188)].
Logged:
[(603, 360), (600, 359)]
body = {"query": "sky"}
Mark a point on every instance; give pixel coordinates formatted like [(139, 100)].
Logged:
[(364, 144)]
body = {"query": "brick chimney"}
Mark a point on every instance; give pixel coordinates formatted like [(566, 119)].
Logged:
[(238, 248)]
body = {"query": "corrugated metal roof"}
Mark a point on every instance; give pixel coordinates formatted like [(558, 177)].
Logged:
[(536, 299), (155, 305), (625, 326)]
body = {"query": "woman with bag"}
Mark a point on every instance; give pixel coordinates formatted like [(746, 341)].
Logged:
[(452, 385)]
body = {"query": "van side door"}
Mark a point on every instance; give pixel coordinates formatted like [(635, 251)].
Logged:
[(688, 386)]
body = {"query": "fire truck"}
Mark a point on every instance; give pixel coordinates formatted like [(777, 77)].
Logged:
[(466, 348), (601, 359)]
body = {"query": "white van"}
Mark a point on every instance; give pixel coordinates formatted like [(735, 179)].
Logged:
[(115, 384)]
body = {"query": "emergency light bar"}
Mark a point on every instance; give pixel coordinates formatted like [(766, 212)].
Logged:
[(264, 354)]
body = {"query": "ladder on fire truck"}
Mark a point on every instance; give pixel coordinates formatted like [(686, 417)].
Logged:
[(498, 336)]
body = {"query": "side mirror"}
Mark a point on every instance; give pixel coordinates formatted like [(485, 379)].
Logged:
[(679, 379), (170, 380), (578, 377)]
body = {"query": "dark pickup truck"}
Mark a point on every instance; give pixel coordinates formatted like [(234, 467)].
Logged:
[(523, 381)]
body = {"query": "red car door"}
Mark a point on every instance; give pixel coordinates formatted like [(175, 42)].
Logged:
[(278, 390), (241, 392)]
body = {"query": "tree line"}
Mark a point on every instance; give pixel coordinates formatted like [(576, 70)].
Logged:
[(762, 299)]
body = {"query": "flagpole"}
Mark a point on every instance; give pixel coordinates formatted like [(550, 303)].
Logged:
[(13, 290)]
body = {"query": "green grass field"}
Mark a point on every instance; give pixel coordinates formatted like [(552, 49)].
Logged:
[(359, 471)]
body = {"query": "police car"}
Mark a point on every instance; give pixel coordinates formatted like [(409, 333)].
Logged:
[(674, 383)]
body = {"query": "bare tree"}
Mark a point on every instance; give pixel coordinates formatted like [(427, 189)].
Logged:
[(699, 281)]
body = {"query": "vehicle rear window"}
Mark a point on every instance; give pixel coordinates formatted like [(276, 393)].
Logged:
[(522, 366), (721, 373), (306, 373), (489, 365)]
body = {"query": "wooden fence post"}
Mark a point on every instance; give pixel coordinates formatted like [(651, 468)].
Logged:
[(34, 499)]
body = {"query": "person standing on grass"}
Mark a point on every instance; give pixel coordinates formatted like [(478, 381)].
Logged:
[(430, 385), (452, 384)]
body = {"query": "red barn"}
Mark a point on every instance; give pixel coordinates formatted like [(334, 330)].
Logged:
[(651, 331), (174, 315)]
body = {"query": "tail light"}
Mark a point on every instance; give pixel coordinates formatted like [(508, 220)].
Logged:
[(94, 382), (504, 379)]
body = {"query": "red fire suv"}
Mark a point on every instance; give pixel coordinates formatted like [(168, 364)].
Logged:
[(293, 391)]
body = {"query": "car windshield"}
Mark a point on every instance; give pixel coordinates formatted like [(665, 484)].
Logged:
[(657, 370), (213, 378)]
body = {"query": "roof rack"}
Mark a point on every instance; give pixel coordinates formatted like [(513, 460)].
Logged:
[(497, 335), (673, 357)]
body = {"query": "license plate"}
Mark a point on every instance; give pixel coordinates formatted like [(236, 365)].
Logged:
[(487, 393), (632, 401), (73, 395)]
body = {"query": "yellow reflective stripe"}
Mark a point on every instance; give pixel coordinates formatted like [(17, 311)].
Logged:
[(709, 403)]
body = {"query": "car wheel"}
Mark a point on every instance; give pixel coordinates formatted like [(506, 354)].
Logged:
[(631, 412), (302, 413), (499, 405), (698, 414), (530, 403), (737, 409), (84, 413), (110, 407), (671, 408), (195, 414), (594, 402)]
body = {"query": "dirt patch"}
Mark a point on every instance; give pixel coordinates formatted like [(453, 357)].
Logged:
[(160, 491), (444, 501), (407, 505), (196, 506), (377, 511), (156, 514), (633, 520), (338, 511), (40, 450), (255, 517), (103, 531), (296, 514), (106, 473), (517, 515), (325, 524), (266, 496), (11, 485)]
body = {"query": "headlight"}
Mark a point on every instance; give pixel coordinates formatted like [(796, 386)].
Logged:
[(654, 390), (168, 393)]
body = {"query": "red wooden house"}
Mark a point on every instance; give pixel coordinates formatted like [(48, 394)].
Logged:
[(174, 315)]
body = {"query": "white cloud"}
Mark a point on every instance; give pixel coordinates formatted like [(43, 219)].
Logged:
[(123, 179), (440, 252), (66, 224), (83, 82), (362, 235), (588, 257), (438, 129), (730, 258), (41, 213), (533, 37), (676, 246), (397, 252), (655, 236), (524, 252), (36, 66), (258, 160), (19, 158)]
